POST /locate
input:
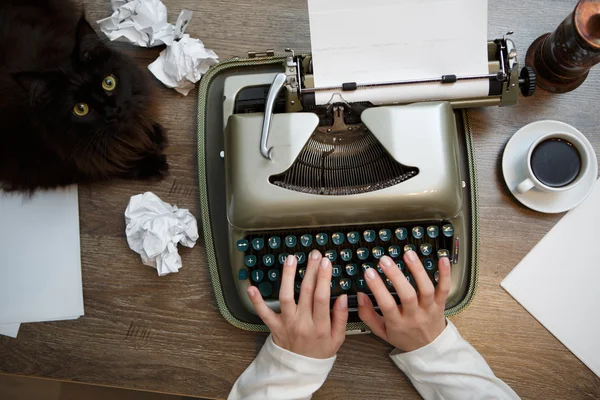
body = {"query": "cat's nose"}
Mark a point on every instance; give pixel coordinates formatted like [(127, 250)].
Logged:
[(112, 112)]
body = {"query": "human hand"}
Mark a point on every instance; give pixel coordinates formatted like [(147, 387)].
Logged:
[(305, 328), (419, 319)]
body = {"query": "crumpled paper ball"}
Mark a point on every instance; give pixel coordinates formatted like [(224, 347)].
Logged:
[(154, 228)]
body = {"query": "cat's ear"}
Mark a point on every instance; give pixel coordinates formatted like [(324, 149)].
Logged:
[(88, 46), (39, 85)]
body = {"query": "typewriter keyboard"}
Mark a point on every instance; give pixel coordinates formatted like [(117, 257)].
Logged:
[(351, 251)]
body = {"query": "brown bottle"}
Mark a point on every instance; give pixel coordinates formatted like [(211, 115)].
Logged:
[(563, 58)]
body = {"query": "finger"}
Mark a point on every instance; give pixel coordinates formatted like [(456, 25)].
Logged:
[(322, 294), (286, 291), (307, 289), (424, 284), (443, 286), (369, 316), (406, 293), (339, 318), (262, 309), (385, 301)]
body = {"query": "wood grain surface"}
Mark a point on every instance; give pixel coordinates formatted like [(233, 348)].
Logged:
[(166, 334)]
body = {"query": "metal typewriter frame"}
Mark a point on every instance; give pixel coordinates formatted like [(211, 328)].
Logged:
[(220, 276)]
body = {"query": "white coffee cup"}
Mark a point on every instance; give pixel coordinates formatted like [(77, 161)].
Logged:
[(532, 181)]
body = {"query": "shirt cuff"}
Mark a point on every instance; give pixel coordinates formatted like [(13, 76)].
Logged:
[(297, 362), (445, 341)]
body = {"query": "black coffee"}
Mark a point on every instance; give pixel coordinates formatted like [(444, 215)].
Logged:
[(555, 162)]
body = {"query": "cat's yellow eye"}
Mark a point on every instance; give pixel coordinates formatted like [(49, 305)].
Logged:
[(81, 109), (109, 83)]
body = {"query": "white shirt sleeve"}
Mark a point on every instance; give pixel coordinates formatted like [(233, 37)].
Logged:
[(279, 374), (450, 368)]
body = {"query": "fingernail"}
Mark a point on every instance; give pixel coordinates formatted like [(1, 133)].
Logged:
[(361, 299), (344, 301), (250, 291), (315, 254), (325, 263), (289, 261), (386, 262), (411, 255), (370, 273), (445, 262)]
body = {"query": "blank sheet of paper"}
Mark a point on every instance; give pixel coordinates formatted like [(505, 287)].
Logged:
[(10, 329), (40, 267), (558, 282), (390, 40)]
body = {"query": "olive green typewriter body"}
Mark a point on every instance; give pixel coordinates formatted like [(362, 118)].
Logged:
[(281, 176)]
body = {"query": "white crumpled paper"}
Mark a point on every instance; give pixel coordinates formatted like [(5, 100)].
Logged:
[(144, 23), (154, 228)]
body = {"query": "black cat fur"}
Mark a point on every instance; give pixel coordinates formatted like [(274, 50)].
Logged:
[(50, 60)]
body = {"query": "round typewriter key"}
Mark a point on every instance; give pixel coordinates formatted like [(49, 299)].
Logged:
[(429, 264), (401, 265), (426, 249), (366, 266), (306, 240), (442, 253), (361, 284), (409, 247), (297, 287), (353, 237), (448, 230), (378, 252), (250, 260), (401, 233), (321, 239), (345, 283), (332, 284), (300, 257), (290, 241), (418, 232), (362, 253), (385, 235), (369, 235), (388, 283), (265, 289), (273, 274), (274, 242), (268, 260), (346, 254), (351, 269), (257, 275), (243, 274), (394, 251), (336, 271), (337, 238), (378, 268), (242, 245), (258, 244), (331, 254), (433, 231), (282, 257), (436, 276), (301, 272)]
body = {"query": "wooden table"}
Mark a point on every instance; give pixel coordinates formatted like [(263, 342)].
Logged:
[(166, 334)]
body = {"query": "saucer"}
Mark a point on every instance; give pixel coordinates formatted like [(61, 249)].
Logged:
[(513, 161)]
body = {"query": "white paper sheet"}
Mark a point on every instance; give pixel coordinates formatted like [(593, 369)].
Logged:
[(558, 282), (10, 329), (40, 267), (390, 40)]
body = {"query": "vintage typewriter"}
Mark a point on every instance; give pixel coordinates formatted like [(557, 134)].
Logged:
[(282, 175)]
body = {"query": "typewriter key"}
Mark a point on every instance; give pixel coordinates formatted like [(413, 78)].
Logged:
[(345, 283), (418, 232), (362, 253), (401, 233), (250, 260), (378, 252), (337, 238), (426, 249), (351, 269), (242, 245), (385, 235), (336, 271), (448, 230), (306, 240), (394, 251), (331, 254), (346, 254), (274, 242), (369, 235), (353, 237), (366, 266), (429, 264), (258, 244), (433, 231), (321, 239)]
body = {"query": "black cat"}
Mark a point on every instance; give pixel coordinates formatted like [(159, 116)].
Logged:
[(71, 109)]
